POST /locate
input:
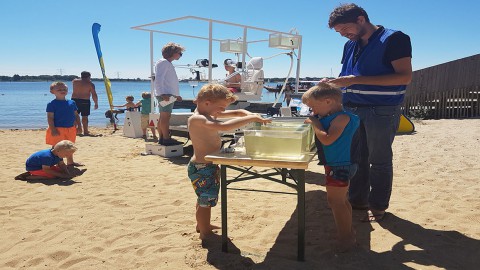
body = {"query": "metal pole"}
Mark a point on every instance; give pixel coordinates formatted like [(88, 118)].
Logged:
[(297, 78), (244, 53), (301, 213), (210, 36), (223, 187), (152, 74)]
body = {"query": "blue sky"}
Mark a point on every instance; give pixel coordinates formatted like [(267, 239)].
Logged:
[(54, 37)]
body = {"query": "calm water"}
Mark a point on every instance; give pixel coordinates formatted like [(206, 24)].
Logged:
[(23, 104)]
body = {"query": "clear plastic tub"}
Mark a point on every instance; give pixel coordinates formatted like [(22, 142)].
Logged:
[(283, 139)]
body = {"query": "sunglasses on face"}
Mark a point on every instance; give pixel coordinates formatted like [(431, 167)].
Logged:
[(180, 53)]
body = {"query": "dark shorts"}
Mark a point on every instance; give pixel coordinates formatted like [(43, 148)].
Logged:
[(83, 106), (339, 176), (205, 180)]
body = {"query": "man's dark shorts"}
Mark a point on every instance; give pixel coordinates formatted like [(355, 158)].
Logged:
[(83, 106)]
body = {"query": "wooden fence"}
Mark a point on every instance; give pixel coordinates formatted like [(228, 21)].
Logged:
[(455, 103), (449, 90)]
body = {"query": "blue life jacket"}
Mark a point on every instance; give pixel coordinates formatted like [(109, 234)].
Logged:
[(370, 63), (343, 151)]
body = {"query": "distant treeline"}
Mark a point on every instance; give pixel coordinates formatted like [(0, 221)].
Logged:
[(48, 78)]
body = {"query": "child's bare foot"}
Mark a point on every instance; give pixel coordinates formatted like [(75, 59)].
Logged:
[(345, 245), (212, 228), (206, 236)]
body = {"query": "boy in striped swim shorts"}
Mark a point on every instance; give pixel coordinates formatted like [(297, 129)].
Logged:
[(203, 126)]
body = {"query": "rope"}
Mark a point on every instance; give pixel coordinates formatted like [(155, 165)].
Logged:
[(286, 79)]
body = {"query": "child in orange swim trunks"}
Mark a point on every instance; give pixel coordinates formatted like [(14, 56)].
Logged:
[(61, 115)]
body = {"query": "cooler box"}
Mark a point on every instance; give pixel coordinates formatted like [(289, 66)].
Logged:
[(282, 139), (132, 127), (164, 151)]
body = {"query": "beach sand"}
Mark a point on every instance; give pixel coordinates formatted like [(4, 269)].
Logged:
[(129, 211)]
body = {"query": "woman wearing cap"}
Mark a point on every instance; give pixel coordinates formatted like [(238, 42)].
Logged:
[(233, 82)]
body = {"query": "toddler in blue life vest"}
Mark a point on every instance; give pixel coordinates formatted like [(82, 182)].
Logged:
[(335, 131)]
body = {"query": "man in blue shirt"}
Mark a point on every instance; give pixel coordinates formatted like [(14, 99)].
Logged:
[(376, 67)]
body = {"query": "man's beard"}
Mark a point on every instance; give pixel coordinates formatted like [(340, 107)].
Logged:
[(358, 36)]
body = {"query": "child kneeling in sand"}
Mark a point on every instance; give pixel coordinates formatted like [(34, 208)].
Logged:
[(203, 126), (335, 130), (48, 163)]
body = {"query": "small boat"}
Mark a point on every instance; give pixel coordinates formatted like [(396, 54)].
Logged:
[(302, 86), (273, 89)]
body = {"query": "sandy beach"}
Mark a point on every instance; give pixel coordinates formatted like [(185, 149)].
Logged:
[(129, 211)]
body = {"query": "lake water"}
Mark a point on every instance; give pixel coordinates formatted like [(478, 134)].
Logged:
[(23, 104)]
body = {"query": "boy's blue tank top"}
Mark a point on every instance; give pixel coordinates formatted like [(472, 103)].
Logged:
[(342, 151)]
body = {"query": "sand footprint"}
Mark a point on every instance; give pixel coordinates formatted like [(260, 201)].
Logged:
[(72, 262), (59, 255)]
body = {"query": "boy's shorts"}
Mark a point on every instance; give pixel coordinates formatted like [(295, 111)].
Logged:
[(168, 108), (339, 176), (45, 174), (205, 180), (63, 134), (144, 121)]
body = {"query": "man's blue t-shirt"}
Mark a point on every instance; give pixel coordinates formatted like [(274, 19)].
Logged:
[(63, 111), (42, 158)]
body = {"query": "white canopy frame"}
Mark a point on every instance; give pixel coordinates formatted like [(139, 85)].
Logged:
[(211, 39)]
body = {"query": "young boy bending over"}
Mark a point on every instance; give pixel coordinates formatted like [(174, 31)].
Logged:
[(48, 163), (335, 130), (203, 126)]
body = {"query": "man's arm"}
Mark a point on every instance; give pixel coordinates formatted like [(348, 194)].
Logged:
[(402, 76), (398, 53), (94, 96)]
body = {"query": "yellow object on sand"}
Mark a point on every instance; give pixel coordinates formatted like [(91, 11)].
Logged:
[(405, 125)]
